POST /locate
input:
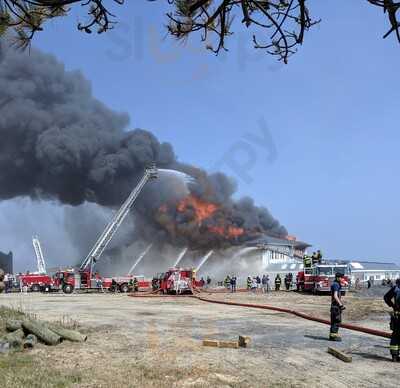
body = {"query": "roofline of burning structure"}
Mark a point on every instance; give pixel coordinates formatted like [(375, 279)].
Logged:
[(266, 240)]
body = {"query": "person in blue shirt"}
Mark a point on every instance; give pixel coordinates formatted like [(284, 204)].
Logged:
[(392, 299), (336, 308), (233, 284)]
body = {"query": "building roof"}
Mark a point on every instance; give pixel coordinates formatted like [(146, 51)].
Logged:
[(373, 266), (269, 240)]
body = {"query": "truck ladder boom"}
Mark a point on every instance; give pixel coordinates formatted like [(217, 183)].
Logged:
[(41, 265), (112, 227)]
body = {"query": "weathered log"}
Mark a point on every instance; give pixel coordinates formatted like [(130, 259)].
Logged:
[(13, 325), (340, 355), (212, 343), (15, 338), (67, 334), (30, 341), (228, 344), (42, 332)]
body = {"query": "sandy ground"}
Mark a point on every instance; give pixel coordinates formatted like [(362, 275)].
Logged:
[(157, 341)]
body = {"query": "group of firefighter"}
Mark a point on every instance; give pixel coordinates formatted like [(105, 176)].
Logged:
[(257, 283), (230, 282), (264, 283), (315, 258)]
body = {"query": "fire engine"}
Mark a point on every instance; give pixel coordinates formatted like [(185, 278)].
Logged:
[(86, 277), (40, 280), (35, 282), (319, 277), (70, 280), (176, 281)]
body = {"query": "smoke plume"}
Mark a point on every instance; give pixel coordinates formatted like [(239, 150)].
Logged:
[(58, 142)]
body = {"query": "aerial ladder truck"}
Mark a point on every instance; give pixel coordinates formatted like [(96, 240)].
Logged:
[(86, 277), (40, 280)]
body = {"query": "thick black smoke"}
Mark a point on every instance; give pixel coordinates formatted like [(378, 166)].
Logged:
[(59, 142)]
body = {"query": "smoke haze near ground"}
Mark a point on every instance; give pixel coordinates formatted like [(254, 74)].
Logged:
[(60, 144)]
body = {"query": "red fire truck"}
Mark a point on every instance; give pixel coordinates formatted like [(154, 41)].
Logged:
[(70, 280), (319, 277), (176, 281), (35, 282), (40, 280)]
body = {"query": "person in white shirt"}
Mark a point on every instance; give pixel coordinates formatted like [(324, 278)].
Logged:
[(5, 280)]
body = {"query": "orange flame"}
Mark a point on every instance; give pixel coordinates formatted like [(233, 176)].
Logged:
[(235, 232), (229, 232), (202, 209)]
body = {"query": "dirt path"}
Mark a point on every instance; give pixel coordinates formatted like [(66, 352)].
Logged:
[(157, 342)]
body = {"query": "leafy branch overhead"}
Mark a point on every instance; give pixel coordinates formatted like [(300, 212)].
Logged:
[(277, 26)]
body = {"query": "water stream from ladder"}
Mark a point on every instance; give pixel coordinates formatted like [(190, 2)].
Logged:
[(204, 259), (140, 258), (243, 251), (180, 257)]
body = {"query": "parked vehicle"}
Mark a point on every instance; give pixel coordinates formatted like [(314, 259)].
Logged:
[(177, 281), (319, 277)]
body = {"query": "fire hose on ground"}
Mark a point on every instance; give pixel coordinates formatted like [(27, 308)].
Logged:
[(348, 326)]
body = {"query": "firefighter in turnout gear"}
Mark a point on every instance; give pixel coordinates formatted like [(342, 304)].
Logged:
[(155, 284), (227, 282), (307, 261), (114, 286), (336, 308), (248, 283), (314, 258), (392, 299), (135, 285), (278, 282)]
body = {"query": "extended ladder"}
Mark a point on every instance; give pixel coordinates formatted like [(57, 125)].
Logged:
[(112, 227), (41, 265)]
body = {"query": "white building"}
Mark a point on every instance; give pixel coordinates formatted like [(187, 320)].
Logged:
[(374, 271)]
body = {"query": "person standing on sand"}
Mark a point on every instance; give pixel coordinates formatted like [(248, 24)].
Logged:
[(278, 282), (392, 299), (264, 282), (336, 308)]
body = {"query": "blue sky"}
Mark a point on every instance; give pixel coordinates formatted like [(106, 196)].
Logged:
[(329, 169)]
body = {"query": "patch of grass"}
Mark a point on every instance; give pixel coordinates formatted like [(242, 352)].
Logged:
[(9, 313), (6, 314), (19, 370), (67, 323)]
